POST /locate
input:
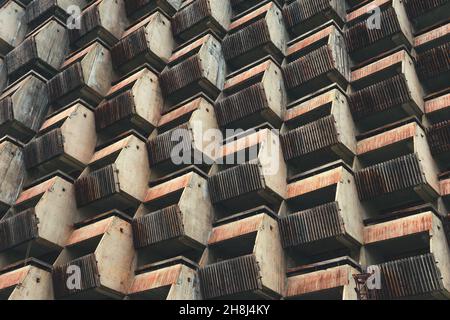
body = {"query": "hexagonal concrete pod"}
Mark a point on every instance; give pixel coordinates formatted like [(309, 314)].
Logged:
[(319, 129), (23, 106), (134, 102), (304, 15), (103, 20), (13, 25), (370, 101), (186, 132), (315, 60), (175, 218), (149, 40), (38, 11), (395, 29), (38, 52), (326, 280), (255, 35), (415, 245), (41, 221), (27, 280), (102, 249), (139, 8), (245, 259), (172, 279), (116, 177), (66, 142), (197, 16), (78, 80), (194, 67), (13, 171), (247, 175), (251, 96)]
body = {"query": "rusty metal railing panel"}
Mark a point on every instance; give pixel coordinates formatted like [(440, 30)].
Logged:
[(6, 110), (190, 15), (309, 138), (160, 148), (17, 229), (181, 75), (308, 67), (311, 225), (238, 275), (65, 82), (89, 20), (44, 148), (236, 181), (379, 97), (298, 11), (241, 104), (246, 39), (409, 277), (360, 35), (157, 226), (439, 137), (97, 185), (130, 47), (390, 176), (115, 109), (416, 8), (90, 277), (434, 62)]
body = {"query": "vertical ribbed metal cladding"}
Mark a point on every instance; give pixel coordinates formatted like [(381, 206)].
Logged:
[(360, 36), (439, 137), (409, 277), (238, 275), (308, 67), (44, 148), (393, 175), (434, 62), (416, 8), (97, 185), (17, 229), (131, 6), (130, 47), (90, 277), (236, 181), (246, 39), (115, 109), (160, 148), (6, 110), (64, 82), (89, 20), (38, 8), (190, 15), (310, 225), (181, 75), (379, 97), (241, 104), (312, 137), (157, 226), (22, 55), (300, 10)]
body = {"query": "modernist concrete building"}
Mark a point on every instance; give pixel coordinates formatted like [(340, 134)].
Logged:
[(224, 149)]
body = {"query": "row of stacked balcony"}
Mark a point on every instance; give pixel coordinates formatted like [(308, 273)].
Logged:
[(101, 183)]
